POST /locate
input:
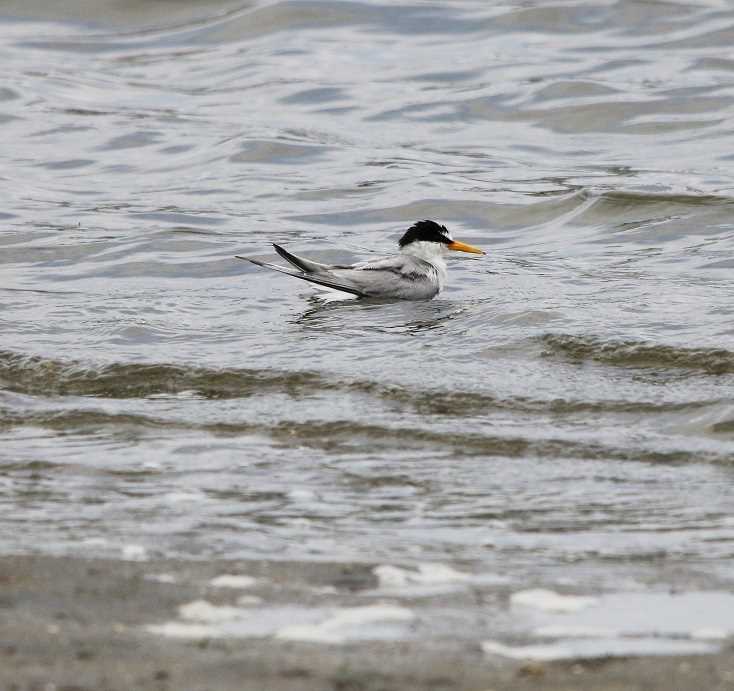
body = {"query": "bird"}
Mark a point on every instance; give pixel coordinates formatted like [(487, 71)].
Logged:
[(416, 272)]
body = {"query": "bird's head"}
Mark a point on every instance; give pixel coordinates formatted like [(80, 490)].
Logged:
[(428, 239)]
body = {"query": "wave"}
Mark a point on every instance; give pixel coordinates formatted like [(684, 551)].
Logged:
[(38, 376), (354, 437), (46, 377), (630, 353), (33, 375)]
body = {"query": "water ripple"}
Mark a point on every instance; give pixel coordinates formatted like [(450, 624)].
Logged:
[(564, 408)]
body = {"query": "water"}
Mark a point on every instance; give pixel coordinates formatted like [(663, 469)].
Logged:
[(562, 415)]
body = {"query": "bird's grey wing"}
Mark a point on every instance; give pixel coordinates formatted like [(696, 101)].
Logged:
[(322, 278), (302, 264), (398, 276)]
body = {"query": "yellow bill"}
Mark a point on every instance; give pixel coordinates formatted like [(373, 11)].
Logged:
[(463, 247)]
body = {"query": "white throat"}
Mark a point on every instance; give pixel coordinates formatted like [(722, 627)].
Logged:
[(431, 252)]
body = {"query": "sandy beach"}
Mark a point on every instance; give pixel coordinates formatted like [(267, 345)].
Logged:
[(71, 624)]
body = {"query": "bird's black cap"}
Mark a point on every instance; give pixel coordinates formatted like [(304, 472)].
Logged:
[(425, 231)]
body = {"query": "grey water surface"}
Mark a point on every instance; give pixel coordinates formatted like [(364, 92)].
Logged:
[(562, 415)]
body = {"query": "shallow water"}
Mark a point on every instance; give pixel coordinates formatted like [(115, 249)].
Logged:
[(563, 413)]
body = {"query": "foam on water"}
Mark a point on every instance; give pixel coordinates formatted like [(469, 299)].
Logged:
[(230, 580), (168, 578), (569, 649), (134, 552), (373, 622), (619, 624), (550, 601), (201, 619)]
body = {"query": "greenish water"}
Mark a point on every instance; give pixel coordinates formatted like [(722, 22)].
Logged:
[(563, 415)]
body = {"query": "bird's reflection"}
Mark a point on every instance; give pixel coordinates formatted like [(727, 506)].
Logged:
[(387, 316)]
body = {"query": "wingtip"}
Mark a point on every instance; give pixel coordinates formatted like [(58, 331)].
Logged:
[(248, 259)]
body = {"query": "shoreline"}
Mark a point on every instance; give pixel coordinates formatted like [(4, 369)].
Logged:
[(72, 624)]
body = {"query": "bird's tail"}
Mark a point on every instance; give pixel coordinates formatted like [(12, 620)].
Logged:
[(268, 265), (321, 278)]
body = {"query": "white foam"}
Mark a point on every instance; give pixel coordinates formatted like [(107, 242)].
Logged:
[(95, 542), (349, 624), (134, 553), (591, 648), (188, 395), (525, 652), (425, 574), (229, 580), (249, 600), (425, 579), (181, 497), (203, 611), (571, 631), (624, 623), (391, 576), (202, 619), (441, 573), (711, 634), (550, 601), (302, 495), (161, 578), (642, 614)]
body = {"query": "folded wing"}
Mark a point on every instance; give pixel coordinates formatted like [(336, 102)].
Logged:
[(399, 276), (322, 278), (301, 263)]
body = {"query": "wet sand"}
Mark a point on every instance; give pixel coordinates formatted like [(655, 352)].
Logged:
[(74, 625)]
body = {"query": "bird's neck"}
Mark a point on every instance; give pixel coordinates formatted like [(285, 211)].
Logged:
[(430, 252)]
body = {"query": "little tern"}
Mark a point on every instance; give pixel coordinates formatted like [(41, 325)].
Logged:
[(417, 272)]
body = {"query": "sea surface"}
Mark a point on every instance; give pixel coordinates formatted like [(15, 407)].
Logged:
[(560, 420)]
